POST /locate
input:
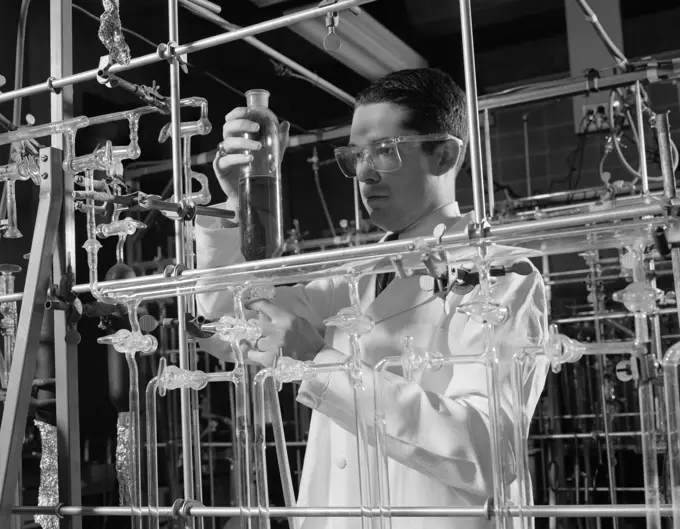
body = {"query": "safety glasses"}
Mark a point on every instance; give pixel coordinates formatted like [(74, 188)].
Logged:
[(382, 156)]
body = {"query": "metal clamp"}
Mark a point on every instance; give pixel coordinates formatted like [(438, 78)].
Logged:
[(166, 52), (67, 301), (50, 86), (649, 369), (180, 509), (174, 270)]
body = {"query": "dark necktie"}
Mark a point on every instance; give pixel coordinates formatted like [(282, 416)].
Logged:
[(384, 279)]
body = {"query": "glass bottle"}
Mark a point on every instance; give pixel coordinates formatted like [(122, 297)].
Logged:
[(259, 186)]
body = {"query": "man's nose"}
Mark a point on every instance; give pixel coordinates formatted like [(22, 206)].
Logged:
[(366, 173)]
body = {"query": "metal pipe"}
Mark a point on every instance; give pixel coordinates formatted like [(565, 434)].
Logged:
[(489, 165), (59, 126), (527, 160), (279, 269), (547, 511), (589, 435), (296, 67), (472, 111), (642, 144), (357, 206), (606, 316), (322, 135), (209, 6), (184, 360), (18, 395), (576, 86), (532, 93), (266, 274), (595, 282), (401, 246), (19, 59), (663, 131), (577, 280), (199, 45), (66, 354)]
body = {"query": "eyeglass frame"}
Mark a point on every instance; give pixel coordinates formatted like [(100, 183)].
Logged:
[(421, 138)]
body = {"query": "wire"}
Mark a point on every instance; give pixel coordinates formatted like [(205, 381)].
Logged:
[(618, 123), (624, 64), (591, 17)]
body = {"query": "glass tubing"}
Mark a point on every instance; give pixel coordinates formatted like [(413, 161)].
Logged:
[(477, 182)]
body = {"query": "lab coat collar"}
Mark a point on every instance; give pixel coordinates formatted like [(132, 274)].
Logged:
[(387, 303)]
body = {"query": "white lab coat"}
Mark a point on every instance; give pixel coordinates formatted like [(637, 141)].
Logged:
[(438, 424)]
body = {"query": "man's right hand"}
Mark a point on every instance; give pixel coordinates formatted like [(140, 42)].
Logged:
[(234, 149)]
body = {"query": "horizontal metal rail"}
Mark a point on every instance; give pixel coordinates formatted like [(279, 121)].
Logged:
[(536, 511), (199, 45)]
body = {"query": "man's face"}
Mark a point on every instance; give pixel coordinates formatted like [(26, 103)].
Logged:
[(394, 200)]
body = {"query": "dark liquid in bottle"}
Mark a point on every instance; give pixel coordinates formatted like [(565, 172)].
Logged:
[(260, 217)]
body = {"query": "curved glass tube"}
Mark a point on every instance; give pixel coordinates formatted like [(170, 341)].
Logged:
[(484, 310), (355, 324), (92, 245), (263, 384), (521, 432), (286, 369), (151, 449), (171, 378), (640, 298), (38, 131), (260, 449), (135, 425), (412, 360)]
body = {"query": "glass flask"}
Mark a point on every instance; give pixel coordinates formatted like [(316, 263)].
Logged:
[(259, 187)]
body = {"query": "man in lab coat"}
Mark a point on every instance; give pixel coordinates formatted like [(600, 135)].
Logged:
[(407, 143)]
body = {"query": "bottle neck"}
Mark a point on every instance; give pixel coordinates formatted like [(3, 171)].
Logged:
[(257, 98)]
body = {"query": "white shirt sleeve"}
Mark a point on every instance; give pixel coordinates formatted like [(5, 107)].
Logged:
[(217, 245), (448, 436)]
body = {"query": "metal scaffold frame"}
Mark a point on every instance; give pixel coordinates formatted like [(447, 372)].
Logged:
[(54, 238)]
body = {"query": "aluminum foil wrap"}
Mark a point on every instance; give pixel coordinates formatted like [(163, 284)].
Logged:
[(48, 491), (111, 33), (123, 462)]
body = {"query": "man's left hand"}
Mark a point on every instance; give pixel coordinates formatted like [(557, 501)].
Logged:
[(283, 330)]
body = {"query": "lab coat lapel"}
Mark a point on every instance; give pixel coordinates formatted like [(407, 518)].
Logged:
[(403, 294), (367, 291), (398, 296)]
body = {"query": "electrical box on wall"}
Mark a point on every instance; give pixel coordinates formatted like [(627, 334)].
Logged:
[(595, 118), (588, 56)]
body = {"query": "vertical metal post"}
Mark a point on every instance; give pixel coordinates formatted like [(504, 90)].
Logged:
[(357, 206), (663, 131), (18, 395), (184, 360), (595, 272), (65, 355), (472, 111), (527, 159), (642, 143), (489, 164)]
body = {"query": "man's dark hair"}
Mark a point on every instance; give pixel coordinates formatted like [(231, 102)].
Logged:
[(433, 101)]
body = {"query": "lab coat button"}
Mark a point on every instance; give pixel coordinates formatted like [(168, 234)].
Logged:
[(341, 462)]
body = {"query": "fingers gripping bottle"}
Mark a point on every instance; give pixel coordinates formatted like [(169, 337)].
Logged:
[(259, 187)]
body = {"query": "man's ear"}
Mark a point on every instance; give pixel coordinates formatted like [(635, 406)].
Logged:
[(445, 157)]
